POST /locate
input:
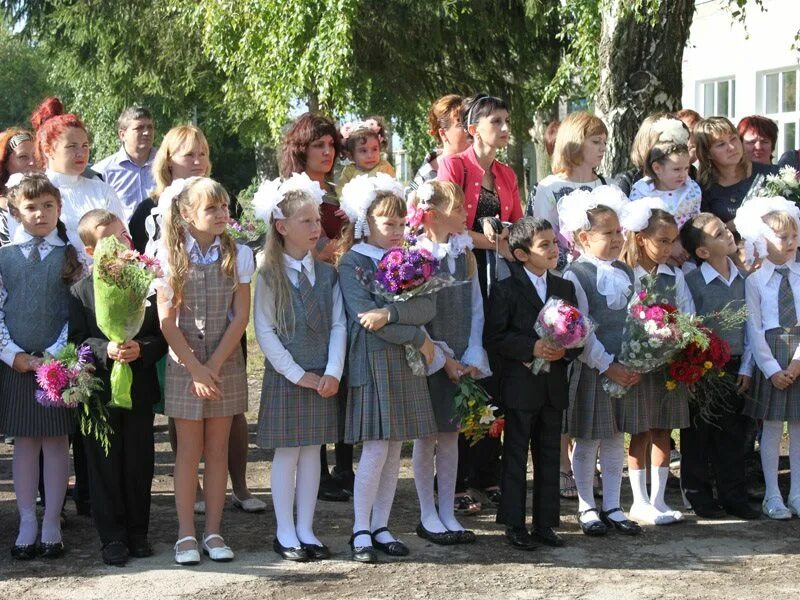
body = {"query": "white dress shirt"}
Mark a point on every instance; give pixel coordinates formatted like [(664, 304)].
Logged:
[(710, 274), (8, 348), (614, 289), (761, 293), (683, 296), (539, 283), (267, 336)]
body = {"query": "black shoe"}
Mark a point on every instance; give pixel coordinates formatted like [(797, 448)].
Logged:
[(547, 536), (139, 547), (494, 496), (592, 528), (395, 548), (742, 510), (625, 527), (344, 479), (24, 551), (316, 551), (51, 549), (518, 537), (115, 553), (709, 510), (444, 538), (364, 554), (330, 491), (297, 554), (464, 536)]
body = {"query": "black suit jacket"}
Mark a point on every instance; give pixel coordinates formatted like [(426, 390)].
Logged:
[(83, 329), (509, 334)]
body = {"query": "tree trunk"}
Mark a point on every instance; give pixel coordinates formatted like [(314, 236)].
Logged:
[(641, 60), (541, 119)]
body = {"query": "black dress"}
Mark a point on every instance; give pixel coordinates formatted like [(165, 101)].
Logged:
[(488, 206)]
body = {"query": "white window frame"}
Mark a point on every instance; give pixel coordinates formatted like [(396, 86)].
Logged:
[(701, 99), (781, 118)]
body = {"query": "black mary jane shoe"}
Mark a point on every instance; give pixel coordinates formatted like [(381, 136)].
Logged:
[(115, 553), (316, 551), (297, 554), (24, 551), (592, 528), (364, 554), (625, 527), (445, 538), (518, 537), (395, 548), (51, 549), (547, 536), (464, 536)]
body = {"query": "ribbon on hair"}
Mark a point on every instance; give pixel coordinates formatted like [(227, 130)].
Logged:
[(154, 222)]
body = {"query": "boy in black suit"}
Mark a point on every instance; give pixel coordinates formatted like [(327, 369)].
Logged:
[(533, 404), (119, 484)]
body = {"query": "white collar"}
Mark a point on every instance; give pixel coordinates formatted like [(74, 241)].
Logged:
[(21, 236), (369, 250), (123, 155), (62, 179), (535, 279), (306, 262), (769, 267), (191, 243), (660, 270), (454, 247), (710, 273)]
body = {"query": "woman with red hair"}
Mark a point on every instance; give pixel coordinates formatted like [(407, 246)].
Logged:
[(62, 147), (759, 138)]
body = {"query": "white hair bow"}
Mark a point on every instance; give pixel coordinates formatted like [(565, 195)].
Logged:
[(573, 207), (635, 215), (359, 194), (749, 223)]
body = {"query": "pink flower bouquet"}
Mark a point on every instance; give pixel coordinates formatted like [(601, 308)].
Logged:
[(561, 325)]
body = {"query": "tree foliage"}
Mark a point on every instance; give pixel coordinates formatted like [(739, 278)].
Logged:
[(23, 80)]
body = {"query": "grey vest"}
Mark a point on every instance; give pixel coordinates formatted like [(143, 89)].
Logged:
[(309, 348), (38, 299), (608, 322), (453, 319), (664, 288), (713, 297)]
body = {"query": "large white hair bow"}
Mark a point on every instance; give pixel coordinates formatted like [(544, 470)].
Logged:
[(14, 180), (635, 215), (359, 194), (750, 224), (271, 193), (573, 207), (670, 129)]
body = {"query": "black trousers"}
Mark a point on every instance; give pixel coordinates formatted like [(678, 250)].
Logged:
[(722, 444), (540, 432), (120, 483)]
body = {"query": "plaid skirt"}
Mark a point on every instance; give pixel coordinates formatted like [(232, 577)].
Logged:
[(768, 402), (663, 409), (592, 413), (291, 415), (22, 416), (443, 391), (394, 404)]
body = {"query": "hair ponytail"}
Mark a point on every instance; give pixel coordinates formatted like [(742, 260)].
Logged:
[(73, 267)]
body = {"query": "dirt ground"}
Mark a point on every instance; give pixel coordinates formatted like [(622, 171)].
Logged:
[(695, 559)]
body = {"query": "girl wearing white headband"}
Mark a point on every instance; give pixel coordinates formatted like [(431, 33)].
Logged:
[(769, 227), (650, 414), (301, 328), (603, 286), (387, 404)]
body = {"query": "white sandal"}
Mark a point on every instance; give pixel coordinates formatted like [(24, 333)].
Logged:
[(251, 505), (187, 557), (218, 554)]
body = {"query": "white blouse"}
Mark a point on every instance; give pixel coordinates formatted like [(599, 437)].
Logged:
[(264, 322), (761, 293)]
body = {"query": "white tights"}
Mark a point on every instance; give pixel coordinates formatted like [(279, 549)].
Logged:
[(295, 469), (374, 488), (612, 459), (770, 454), (444, 446)]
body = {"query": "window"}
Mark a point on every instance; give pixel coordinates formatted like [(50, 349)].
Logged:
[(717, 97), (778, 100)]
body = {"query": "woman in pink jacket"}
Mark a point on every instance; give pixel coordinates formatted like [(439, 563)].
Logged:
[(490, 187)]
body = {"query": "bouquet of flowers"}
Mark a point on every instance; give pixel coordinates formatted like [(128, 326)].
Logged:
[(562, 325), (67, 380), (475, 413), (785, 183), (248, 229), (122, 282), (700, 367), (402, 274), (654, 332)]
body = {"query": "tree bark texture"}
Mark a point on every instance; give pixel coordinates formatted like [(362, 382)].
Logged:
[(641, 61)]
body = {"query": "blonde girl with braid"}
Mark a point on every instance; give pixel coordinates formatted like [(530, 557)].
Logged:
[(204, 307)]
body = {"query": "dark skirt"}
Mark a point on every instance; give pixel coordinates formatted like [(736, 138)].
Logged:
[(768, 402), (443, 391), (22, 416)]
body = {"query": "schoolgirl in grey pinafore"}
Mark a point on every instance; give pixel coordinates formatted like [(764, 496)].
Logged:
[(768, 402), (452, 325), (203, 318), (386, 401), (649, 404), (291, 415), (592, 413), (36, 310)]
